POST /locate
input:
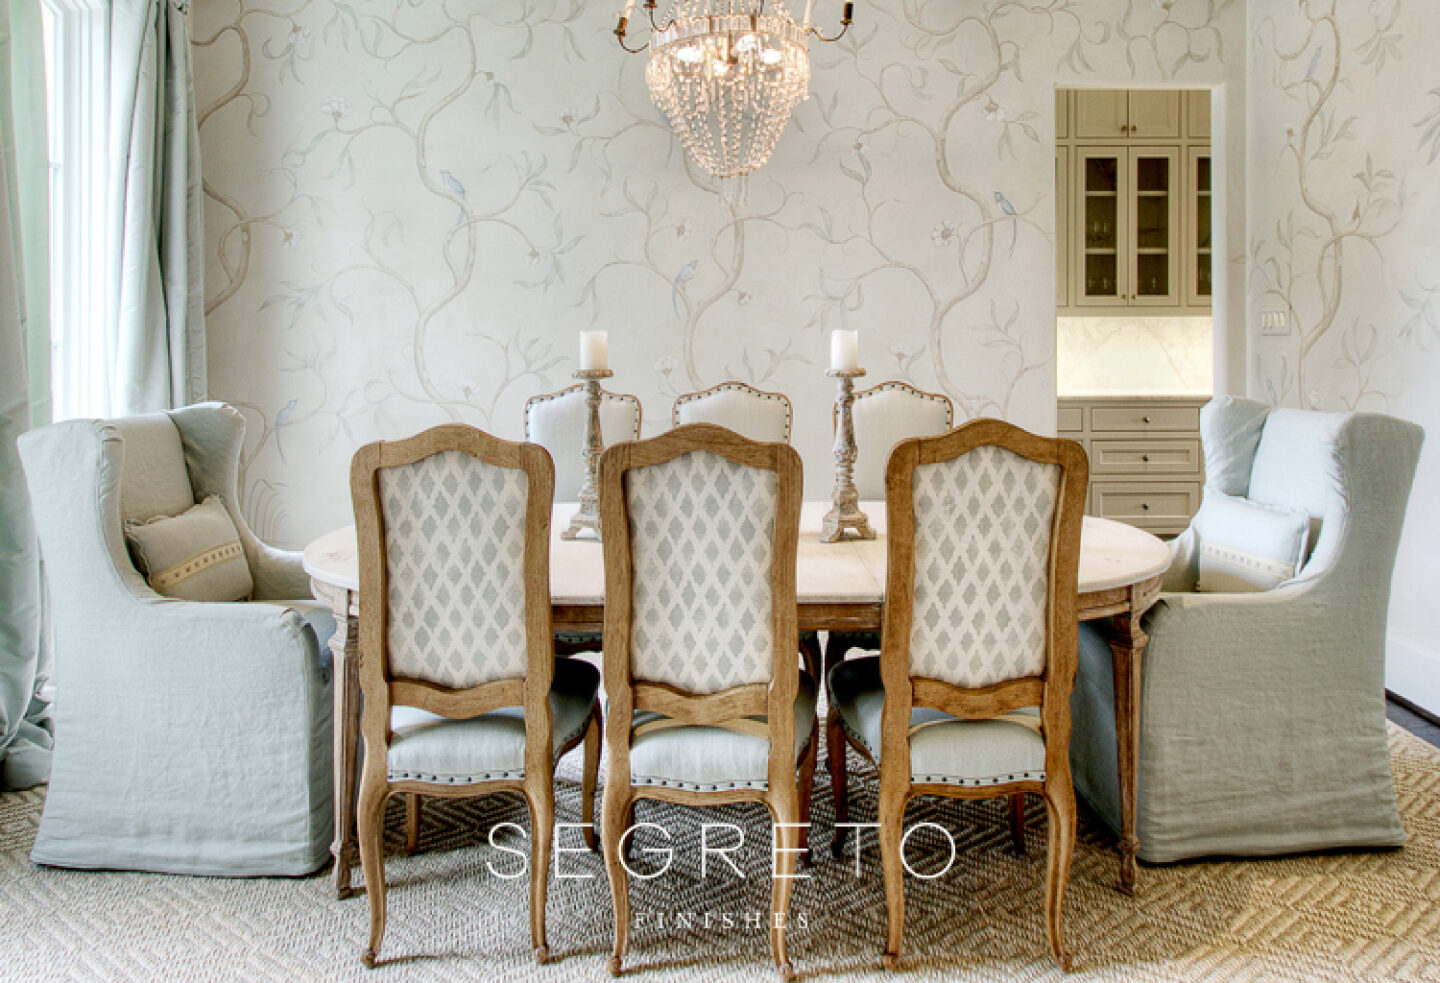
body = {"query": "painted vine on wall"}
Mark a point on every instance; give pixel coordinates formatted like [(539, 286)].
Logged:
[(413, 207)]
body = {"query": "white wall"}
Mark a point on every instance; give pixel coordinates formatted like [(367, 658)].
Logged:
[(1344, 199), (412, 209)]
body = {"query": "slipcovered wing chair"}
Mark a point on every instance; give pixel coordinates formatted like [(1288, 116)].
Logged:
[(1262, 707), (192, 737)]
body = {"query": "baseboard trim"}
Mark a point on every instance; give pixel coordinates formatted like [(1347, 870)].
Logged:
[(1412, 677), (1419, 711)]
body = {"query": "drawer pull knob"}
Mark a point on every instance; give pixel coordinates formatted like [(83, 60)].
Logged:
[(1145, 458), (1145, 506), (1147, 419)]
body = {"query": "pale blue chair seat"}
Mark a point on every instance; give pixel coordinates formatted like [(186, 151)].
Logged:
[(942, 748), (709, 759), (426, 747)]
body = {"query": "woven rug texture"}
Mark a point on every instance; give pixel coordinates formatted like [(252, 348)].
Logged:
[(1339, 916)]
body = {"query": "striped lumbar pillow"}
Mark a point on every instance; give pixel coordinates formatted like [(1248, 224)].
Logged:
[(195, 556)]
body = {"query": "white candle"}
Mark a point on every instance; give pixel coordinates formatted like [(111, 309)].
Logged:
[(844, 350), (809, 6), (629, 6), (594, 351)]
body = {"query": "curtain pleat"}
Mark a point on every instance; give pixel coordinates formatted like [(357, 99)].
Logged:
[(157, 291), (25, 738)]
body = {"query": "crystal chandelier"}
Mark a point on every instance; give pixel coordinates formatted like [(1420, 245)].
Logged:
[(726, 74)]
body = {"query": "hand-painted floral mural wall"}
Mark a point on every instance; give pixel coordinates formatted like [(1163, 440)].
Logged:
[(412, 208), (1344, 171)]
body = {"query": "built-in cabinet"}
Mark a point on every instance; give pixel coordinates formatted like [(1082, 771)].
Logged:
[(1113, 114), (1145, 463), (1133, 210)]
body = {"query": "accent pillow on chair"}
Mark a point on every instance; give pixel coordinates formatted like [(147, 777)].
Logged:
[(194, 556), (1245, 547)]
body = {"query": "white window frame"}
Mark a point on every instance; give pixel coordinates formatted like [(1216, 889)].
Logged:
[(77, 82)]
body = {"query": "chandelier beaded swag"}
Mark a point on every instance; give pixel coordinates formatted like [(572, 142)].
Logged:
[(727, 74)]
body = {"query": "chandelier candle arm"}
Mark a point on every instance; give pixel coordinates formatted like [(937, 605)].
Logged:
[(845, 513), (588, 515)]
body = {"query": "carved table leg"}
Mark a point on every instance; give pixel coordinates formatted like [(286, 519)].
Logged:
[(1128, 645), (344, 645)]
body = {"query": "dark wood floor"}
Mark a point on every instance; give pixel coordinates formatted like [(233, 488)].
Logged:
[(1413, 722)]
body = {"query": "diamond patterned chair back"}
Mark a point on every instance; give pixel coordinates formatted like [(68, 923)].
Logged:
[(980, 526), (748, 411), (459, 538), (454, 567), (983, 525), (886, 414), (702, 532), (556, 421)]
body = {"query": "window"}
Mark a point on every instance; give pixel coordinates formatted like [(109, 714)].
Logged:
[(75, 79)]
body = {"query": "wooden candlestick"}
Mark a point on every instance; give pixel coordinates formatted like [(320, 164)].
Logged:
[(588, 517), (845, 514)]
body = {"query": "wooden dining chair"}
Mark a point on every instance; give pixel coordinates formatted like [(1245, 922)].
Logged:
[(463, 695), (707, 704), (983, 527), (750, 412)]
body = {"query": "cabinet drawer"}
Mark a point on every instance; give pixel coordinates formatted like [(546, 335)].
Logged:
[(1145, 457), (1071, 419), (1145, 418), (1163, 503)]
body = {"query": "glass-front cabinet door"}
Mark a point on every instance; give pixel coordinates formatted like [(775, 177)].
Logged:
[(1099, 269), (1200, 251), (1127, 216), (1155, 219)]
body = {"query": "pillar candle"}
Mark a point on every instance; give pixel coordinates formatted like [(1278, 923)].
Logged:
[(594, 351), (844, 350)]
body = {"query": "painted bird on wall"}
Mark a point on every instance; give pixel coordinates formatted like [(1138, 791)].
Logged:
[(1009, 209), (686, 272)]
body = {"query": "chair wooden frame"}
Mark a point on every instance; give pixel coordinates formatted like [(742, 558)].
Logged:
[(737, 386), (1050, 691), (787, 797), (382, 689)]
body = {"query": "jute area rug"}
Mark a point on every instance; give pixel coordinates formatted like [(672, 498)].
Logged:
[(1351, 916)]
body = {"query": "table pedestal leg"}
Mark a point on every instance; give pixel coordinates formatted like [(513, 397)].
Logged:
[(344, 646), (1127, 643)]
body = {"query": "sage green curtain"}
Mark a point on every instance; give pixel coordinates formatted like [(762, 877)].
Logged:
[(24, 386), (157, 291)]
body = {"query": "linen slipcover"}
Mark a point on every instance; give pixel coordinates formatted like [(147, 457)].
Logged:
[(191, 737), (1262, 726)]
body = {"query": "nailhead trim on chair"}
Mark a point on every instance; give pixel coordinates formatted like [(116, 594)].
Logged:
[(420, 776), (489, 776), (734, 387), (1024, 776), (717, 787), (907, 388)]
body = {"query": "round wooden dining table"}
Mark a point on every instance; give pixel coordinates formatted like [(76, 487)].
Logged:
[(840, 587)]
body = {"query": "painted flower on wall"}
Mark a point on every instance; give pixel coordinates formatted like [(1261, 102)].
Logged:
[(944, 234), (336, 107)]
